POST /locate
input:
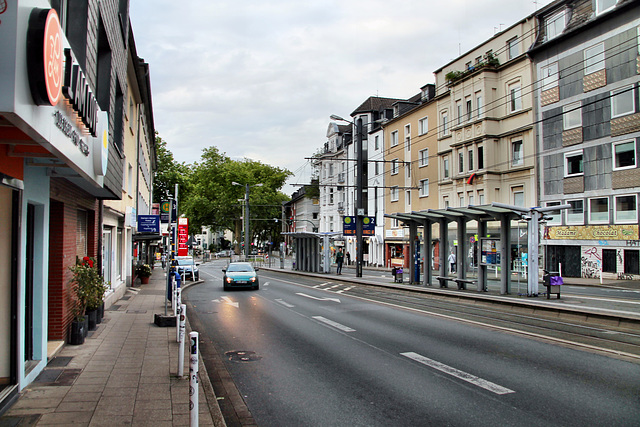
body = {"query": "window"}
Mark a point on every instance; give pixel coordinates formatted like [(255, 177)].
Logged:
[(423, 126), (469, 108), (515, 97), (604, 5), (470, 197), (445, 202), (407, 137), (480, 157), (517, 158), (460, 199), (512, 48), (130, 180), (407, 197), (424, 188), (331, 196), (555, 24), (479, 104), (407, 168), (394, 138), (626, 209), (518, 196), (575, 214), (377, 168), (376, 142), (549, 76), (573, 163), (594, 59), (445, 167), (394, 194), (459, 111), (394, 166), (470, 159), (444, 119), (556, 216), (572, 116), (599, 210), (622, 102), (608, 260), (480, 197), (424, 157), (460, 162), (624, 155)]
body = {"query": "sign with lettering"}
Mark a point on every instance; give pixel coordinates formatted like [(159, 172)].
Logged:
[(148, 223), (593, 232), (183, 236)]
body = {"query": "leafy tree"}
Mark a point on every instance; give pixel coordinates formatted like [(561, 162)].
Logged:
[(168, 173)]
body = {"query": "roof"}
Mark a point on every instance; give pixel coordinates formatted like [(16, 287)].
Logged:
[(375, 103)]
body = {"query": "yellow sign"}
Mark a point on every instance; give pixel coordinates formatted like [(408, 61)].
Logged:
[(593, 232)]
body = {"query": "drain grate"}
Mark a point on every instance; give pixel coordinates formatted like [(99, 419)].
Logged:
[(59, 362), (243, 356), (137, 311), (114, 307)]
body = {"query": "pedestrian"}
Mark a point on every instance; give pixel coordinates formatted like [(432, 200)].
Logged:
[(339, 260), (452, 261), (163, 260), (348, 256)]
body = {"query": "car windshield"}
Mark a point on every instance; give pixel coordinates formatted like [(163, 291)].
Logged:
[(185, 262), (240, 268)]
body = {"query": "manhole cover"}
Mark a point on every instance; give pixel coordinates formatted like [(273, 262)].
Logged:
[(243, 356)]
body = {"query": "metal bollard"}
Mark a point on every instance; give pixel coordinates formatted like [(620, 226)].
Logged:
[(193, 378), (181, 332), (178, 298)]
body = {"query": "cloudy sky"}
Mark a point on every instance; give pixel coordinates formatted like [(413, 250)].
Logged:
[(259, 78)]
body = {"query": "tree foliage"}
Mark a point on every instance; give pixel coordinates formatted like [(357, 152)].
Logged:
[(168, 173)]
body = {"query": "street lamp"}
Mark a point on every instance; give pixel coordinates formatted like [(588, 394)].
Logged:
[(247, 231), (360, 209)]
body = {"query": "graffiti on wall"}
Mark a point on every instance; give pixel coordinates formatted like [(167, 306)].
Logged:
[(591, 262)]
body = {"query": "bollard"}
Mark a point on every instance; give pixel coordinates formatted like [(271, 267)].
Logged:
[(193, 378), (181, 332), (178, 311)]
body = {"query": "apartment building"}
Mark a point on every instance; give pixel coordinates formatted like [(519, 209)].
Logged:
[(587, 65), (411, 168)]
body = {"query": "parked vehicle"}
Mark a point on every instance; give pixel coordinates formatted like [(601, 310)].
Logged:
[(188, 268)]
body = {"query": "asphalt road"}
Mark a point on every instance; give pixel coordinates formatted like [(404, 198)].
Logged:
[(303, 352)]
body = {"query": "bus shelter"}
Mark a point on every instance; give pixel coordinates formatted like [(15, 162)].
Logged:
[(312, 251)]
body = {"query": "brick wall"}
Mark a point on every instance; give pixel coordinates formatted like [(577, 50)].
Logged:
[(66, 200)]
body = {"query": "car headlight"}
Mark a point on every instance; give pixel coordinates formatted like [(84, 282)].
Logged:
[(253, 279), (229, 280)]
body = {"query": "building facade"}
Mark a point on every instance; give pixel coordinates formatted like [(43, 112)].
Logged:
[(62, 88), (587, 63)]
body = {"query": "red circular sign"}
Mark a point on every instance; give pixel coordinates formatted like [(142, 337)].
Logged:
[(52, 51)]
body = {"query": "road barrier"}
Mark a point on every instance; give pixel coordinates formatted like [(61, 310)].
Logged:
[(193, 378)]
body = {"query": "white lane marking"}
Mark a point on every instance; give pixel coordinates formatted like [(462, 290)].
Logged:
[(286, 304), (317, 298), (331, 287), (228, 300), (345, 289), (487, 385), (321, 284), (334, 324)]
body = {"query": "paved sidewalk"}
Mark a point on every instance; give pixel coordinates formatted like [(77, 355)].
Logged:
[(124, 374)]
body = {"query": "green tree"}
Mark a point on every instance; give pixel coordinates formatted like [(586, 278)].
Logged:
[(168, 173)]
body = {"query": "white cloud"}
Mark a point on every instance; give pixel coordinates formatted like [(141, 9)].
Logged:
[(259, 79)]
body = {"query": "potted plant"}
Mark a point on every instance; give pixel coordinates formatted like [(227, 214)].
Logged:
[(144, 272), (89, 289)]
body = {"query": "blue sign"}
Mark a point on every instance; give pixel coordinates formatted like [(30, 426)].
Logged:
[(368, 226), (149, 224)]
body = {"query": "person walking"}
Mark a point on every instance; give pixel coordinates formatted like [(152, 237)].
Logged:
[(339, 261), (452, 261), (348, 256)]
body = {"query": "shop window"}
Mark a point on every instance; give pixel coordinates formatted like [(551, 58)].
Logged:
[(609, 261), (631, 261)]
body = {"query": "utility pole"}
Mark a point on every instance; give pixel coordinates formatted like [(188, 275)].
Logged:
[(247, 251), (360, 211)]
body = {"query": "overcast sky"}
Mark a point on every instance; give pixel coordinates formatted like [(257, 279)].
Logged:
[(259, 78)]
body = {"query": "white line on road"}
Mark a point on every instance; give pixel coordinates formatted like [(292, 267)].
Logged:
[(230, 302), (321, 284), (286, 304), (348, 288), (334, 324), (316, 298), (487, 385)]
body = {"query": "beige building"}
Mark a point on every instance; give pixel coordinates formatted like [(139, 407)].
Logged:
[(485, 121), (411, 167)]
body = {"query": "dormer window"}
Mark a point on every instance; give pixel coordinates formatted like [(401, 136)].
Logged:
[(554, 24)]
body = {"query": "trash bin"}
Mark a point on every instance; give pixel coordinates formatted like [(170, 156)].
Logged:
[(397, 274), (553, 282)]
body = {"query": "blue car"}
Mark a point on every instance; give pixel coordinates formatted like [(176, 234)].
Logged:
[(240, 275)]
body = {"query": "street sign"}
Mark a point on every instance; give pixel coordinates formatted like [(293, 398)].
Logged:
[(148, 224), (368, 226), (183, 236)]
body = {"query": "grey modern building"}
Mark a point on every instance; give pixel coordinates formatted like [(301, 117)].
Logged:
[(587, 69)]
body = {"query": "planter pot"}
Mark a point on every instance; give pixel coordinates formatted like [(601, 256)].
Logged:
[(92, 315), (144, 280), (100, 314), (76, 333), (86, 326)]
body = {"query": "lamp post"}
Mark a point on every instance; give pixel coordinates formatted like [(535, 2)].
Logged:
[(360, 203), (247, 231)]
